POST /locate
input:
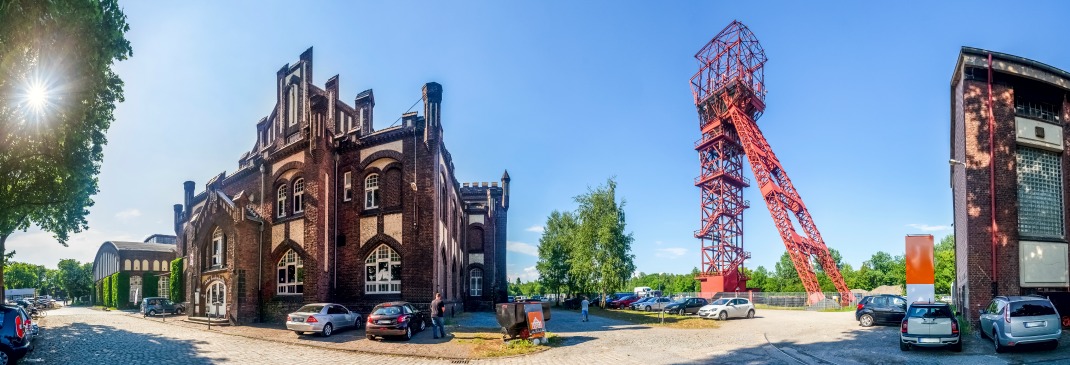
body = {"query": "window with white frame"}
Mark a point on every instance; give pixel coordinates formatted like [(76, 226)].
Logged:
[(299, 196), (280, 207), (135, 289), (217, 247), (382, 271), (347, 182), (164, 286), (371, 191), (475, 282), (291, 274)]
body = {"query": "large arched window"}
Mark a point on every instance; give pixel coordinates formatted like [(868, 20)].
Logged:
[(137, 265), (218, 239), (299, 196), (280, 207), (475, 238), (371, 191), (475, 282), (291, 274), (126, 265), (382, 271)]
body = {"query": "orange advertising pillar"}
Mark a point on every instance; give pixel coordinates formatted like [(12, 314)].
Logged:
[(921, 273)]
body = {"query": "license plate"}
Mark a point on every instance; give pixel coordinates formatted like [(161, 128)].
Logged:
[(383, 321), (298, 319), (1035, 324), (929, 340)]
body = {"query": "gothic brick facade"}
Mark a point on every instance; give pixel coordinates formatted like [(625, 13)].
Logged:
[(326, 209), (1029, 110)]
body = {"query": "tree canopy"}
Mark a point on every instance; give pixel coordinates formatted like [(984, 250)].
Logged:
[(57, 96)]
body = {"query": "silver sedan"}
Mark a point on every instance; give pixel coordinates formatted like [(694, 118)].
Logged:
[(324, 318)]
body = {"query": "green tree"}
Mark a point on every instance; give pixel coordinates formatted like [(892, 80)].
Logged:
[(787, 279), (75, 278), (602, 231), (178, 290), (57, 96), (759, 278), (554, 251), (945, 264), (22, 275)]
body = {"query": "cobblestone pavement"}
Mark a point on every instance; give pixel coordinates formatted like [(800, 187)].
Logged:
[(85, 336)]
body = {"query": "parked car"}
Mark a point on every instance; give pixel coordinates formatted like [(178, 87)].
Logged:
[(395, 319), (883, 308), (623, 302), (324, 318), (152, 306), (1015, 320), (726, 308), (656, 304), (639, 303), (929, 325), (509, 299), (16, 334), (686, 305)]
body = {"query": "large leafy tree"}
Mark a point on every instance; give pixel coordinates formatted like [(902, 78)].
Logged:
[(21, 275), (945, 264), (57, 96), (75, 278), (602, 235), (554, 250)]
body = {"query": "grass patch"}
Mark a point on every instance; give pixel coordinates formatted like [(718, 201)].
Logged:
[(653, 319), (490, 344), (841, 309), (766, 306)]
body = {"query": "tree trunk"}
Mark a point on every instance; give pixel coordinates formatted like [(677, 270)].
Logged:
[(3, 250)]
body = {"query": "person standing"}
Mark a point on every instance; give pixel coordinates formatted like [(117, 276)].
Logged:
[(583, 308), (438, 321)]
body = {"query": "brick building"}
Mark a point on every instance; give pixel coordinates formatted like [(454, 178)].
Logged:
[(152, 256), (1010, 205), (325, 208)]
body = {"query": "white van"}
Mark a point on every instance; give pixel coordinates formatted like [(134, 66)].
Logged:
[(642, 291)]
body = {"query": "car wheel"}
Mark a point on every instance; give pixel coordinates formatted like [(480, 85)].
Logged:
[(647, 308), (722, 316), (152, 313), (328, 329), (5, 357), (370, 337), (995, 342), (681, 312), (865, 320), (957, 347), (903, 346), (299, 333), (423, 326), (750, 313), (408, 333)]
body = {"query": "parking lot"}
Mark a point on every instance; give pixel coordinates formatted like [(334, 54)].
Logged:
[(80, 335)]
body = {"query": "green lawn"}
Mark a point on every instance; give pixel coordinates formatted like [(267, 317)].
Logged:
[(655, 318)]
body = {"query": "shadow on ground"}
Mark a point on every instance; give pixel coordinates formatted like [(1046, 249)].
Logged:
[(80, 343)]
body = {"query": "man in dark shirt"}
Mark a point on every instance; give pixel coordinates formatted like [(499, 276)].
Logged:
[(438, 322)]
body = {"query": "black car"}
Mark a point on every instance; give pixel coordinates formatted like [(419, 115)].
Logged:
[(686, 305), (883, 308), (395, 319), (16, 335)]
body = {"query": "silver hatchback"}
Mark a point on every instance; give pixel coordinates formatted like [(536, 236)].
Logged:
[(1015, 320)]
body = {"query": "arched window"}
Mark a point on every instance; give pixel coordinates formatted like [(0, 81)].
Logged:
[(382, 271), (155, 265), (291, 274), (475, 238), (280, 208), (299, 196), (145, 265), (218, 240), (126, 265), (371, 191), (137, 265), (475, 282)]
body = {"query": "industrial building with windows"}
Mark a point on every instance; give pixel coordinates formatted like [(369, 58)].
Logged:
[(1008, 180)]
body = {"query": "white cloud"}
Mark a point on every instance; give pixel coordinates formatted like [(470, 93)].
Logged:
[(529, 274), (127, 214), (536, 229), (928, 228), (522, 248), (671, 252), (659, 243)]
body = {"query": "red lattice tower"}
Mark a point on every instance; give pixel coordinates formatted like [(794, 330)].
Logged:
[(730, 95)]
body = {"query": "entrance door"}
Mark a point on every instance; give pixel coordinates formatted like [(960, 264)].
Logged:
[(216, 294)]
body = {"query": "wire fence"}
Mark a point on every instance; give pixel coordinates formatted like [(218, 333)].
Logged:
[(793, 300)]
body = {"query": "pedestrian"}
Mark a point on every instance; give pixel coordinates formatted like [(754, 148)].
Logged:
[(583, 308), (438, 309)]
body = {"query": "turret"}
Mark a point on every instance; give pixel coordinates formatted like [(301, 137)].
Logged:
[(432, 110), (187, 195), (505, 190)]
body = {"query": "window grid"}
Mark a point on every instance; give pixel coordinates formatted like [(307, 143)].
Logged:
[(280, 208), (1040, 194), (347, 181), (371, 191), (217, 248), (299, 196), (476, 283), (291, 270), (383, 271)]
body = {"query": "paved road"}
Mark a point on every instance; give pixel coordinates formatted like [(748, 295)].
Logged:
[(84, 336)]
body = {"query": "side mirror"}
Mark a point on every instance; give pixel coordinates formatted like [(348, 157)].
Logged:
[(984, 311)]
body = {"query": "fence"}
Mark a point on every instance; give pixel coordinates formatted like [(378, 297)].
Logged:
[(786, 300)]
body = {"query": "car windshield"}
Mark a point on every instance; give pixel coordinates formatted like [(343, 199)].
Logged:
[(387, 311), (681, 300), (311, 308), (1031, 308), (929, 312), (720, 302)]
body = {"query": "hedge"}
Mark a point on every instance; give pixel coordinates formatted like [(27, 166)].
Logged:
[(150, 286), (97, 299), (122, 289), (105, 299), (178, 291)]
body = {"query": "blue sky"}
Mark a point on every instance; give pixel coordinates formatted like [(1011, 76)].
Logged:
[(565, 95)]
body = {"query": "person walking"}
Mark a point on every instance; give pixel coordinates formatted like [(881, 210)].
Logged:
[(583, 308), (438, 321)]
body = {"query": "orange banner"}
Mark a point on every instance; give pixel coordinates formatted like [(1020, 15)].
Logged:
[(919, 259)]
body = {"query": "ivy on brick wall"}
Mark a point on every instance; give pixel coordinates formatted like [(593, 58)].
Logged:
[(178, 291), (105, 291), (122, 289), (150, 286)]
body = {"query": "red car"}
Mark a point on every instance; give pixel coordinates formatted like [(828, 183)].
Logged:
[(623, 302)]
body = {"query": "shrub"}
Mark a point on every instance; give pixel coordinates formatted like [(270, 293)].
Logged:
[(178, 292), (98, 300), (105, 297), (122, 289), (150, 286)]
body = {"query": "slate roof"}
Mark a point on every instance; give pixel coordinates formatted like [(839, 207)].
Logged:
[(142, 246)]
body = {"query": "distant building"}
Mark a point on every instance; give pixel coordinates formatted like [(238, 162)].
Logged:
[(1008, 133), (15, 294), (325, 208), (153, 256)]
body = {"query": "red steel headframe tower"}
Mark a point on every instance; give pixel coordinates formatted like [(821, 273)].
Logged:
[(729, 93)]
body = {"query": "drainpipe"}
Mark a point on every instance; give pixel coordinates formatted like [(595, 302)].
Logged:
[(992, 178), (260, 252), (335, 250)]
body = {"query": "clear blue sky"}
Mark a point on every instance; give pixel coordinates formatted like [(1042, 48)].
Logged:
[(566, 94)]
